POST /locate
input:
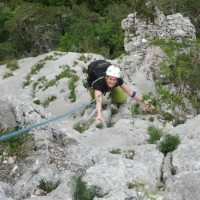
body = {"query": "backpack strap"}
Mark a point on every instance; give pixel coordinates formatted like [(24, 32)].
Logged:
[(97, 80)]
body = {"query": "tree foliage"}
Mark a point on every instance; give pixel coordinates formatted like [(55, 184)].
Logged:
[(180, 73), (182, 67), (5, 15), (35, 26), (100, 38)]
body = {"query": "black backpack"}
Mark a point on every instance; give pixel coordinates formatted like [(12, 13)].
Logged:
[(96, 70)]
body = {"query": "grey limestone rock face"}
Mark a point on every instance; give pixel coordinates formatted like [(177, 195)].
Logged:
[(112, 157), (139, 32), (7, 117)]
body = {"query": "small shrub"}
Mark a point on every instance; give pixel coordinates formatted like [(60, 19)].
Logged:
[(34, 54), (75, 63), (72, 86), (56, 53), (141, 190), (151, 119), (16, 146), (12, 65), (66, 73), (83, 58), (155, 134), (7, 74), (139, 186), (114, 111), (109, 123), (80, 127), (48, 58), (115, 151), (36, 68), (81, 191), (82, 112), (48, 186), (135, 110), (136, 184), (39, 83), (84, 70), (50, 83), (167, 116), (27, 80), (169, 143), (36, 101), (178, 122), (100, 125), (48, 100)]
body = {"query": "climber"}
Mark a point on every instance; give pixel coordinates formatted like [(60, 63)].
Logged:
[(111, 82)]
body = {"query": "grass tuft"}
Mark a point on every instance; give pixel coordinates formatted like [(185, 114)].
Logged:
[(115, 151), (48, 186), (16, 146), (154, 134), (12, 66), (80, 127)]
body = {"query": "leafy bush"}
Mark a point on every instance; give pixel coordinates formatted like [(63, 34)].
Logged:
[(169, 143)]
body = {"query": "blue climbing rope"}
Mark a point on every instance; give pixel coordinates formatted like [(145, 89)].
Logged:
[(10, 135)]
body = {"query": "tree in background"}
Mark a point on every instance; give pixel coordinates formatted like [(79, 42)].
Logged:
[(180, 72), (5, 48), (42, 25)]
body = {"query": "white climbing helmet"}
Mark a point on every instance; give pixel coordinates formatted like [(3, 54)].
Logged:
[(113, 71)]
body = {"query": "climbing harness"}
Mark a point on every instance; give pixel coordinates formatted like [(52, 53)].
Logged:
[(10, 135)]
